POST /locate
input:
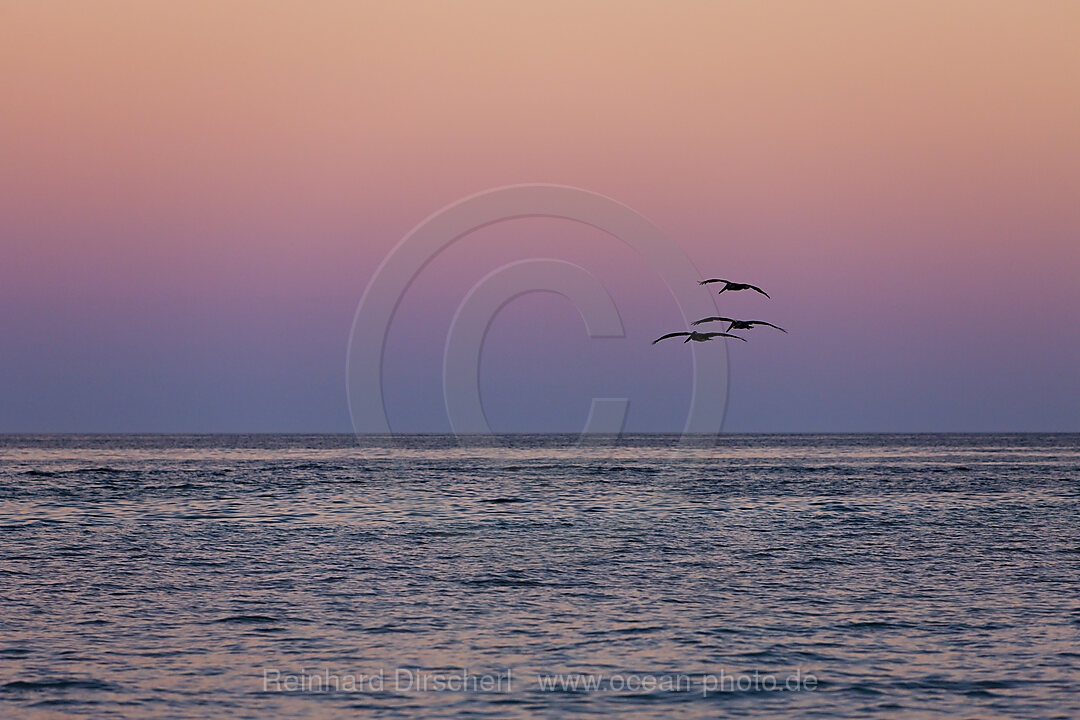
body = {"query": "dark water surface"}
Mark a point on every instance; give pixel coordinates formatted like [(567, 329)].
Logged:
[(190, 576)]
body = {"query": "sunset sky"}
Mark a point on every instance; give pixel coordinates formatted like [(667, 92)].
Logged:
[(194, 195)]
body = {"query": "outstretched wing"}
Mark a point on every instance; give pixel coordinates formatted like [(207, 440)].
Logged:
[(762, 322), (755, 287), (720, 334), (706, 282), (711, 319), (669, 335)]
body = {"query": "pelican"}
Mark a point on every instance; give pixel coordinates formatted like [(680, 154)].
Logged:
[(696, 336), (737, 324), (728, 285)]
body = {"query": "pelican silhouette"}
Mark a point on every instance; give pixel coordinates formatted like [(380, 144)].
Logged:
[(737, 324), (696, 336), (728, 285)]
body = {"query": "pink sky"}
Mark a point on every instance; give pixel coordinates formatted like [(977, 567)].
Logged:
[(194, 195)]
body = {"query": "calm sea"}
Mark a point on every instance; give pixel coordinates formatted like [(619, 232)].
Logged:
[(325, 577)]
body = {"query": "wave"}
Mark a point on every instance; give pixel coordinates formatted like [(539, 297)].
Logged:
[(58, 684)]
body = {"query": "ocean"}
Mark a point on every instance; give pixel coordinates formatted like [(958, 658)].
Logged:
[(333, 577)]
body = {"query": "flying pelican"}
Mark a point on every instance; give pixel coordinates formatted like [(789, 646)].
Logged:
[(728, 285), (737, 324), (696, 336)]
